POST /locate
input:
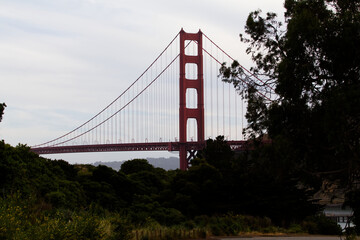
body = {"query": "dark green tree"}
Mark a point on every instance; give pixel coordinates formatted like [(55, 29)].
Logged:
[(31, 175), (217, 153), (254, 183), (313, 64), (136, 165), (2, 107)]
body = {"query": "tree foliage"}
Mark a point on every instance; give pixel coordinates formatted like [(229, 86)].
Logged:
[(2, 108), (314, 66), (218, 182)]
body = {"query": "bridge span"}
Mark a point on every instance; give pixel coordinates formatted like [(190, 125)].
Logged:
[(179, 97), (120, 147)]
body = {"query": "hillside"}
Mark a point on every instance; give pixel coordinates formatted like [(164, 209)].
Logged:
[(171, 163)]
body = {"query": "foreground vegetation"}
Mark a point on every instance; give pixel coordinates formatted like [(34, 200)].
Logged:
[(310, 63), (45, 199), (24, 219)]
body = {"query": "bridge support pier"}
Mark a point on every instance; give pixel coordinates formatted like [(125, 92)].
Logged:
[(186, 155), (197, 84), (184, 164)]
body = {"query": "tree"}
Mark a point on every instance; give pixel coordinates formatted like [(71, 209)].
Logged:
[(136, 165), (2, 108), (217, 153), (314, 66)]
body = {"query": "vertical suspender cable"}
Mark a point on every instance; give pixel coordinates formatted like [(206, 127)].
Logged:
[(109, 129), (211, 95), (118, 120), (121, 123), (104, 129), (217, 100), (132, 106), (158, 98), (159, 121), (176, 92), (167, 102), (88, 134), (236, 117), (153, 110), (110, 133), (171, 96), (150, 108), (242, 117), (195, 93), (100, 130), (115, 123), (139, 100), (156, 106), (206, 94), (136, 110), (140, 113), (161, 97), (223, 107), (139, 128), (127, 121), (111, 126), (128, 116), (229, 116), (146, 110)]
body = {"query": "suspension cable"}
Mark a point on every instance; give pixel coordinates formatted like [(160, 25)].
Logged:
[(113, 100)]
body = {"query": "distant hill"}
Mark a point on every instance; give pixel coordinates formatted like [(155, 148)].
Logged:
[(165, 163)]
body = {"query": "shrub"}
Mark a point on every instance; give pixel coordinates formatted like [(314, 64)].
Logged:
[(23, 219), (120, 228), (295, 228), (14, 217), (321, 225), (234, 224)]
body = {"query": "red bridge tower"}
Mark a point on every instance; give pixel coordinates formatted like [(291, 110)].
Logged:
[(184, 112)]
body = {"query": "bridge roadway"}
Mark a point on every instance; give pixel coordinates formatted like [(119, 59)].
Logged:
[(118, 147)]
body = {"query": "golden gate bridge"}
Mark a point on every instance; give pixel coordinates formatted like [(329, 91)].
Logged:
[(174, 105)]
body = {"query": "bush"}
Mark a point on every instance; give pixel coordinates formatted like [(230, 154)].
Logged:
[(22, 219), (120, 228), (295, 228), (58, 226), (234, 224), (321, 225)]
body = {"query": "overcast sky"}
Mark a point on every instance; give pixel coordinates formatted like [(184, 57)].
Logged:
[(61, 61)]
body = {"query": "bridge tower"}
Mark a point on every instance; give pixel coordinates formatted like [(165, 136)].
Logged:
[(188, 113)]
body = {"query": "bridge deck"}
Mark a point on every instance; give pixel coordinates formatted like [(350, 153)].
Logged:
[(153, 146)]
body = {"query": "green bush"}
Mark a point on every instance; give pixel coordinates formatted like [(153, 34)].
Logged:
[(15, 217), (22, 219), (321, 225), (295, 228), (80, 226), (120, 228), (231, 224)]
